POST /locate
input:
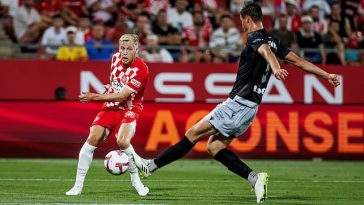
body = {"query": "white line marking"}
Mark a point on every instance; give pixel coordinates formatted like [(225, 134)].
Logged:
[(182, 180)]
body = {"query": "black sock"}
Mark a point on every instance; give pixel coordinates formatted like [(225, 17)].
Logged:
[(174, 152), (233, 163)]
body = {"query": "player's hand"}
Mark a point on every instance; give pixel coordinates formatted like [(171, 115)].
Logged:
[(333, 79), (87, 97), (280, 74)]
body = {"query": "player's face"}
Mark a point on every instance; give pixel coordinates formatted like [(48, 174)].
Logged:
[(244, 23), (127, 51)]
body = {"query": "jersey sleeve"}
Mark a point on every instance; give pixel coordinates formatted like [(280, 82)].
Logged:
[(138, 81), (282, 51), (256, 40)]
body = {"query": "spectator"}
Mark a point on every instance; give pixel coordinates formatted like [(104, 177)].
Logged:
[(293, 19), (72, 51), (48, 9), (308, 38), (120, 28), (102, 10), (142, 27), (72, 10), (99, 48), (53, 37), (197, 37), (333, 40), (344, 23), (286, 37), (226, 41), (84, 30), (178, 16), (27, 23), (350, 10), (236, 5), (319, 23), (323, 7), (7, 17), (167, 34), (154, 6), (130, 9), (153, 54)]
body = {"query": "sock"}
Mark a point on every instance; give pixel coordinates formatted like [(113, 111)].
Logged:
[(129, 152), (152, 166), (252, 178), (173, 153), (233, 163), (84, 162)]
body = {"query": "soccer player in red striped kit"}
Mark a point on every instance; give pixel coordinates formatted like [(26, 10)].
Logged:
[(120, 112)]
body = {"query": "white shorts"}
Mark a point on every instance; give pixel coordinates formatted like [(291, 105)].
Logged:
[(233, 116)]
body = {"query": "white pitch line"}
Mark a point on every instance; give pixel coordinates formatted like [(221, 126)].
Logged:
[(181, 180)]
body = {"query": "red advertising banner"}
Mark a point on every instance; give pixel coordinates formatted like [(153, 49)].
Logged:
[(177, 82), (58, 129)]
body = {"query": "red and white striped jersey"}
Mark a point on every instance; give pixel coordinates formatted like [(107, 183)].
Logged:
[(134, 77)]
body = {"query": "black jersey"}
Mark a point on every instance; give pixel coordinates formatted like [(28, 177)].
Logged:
[(254, 72)]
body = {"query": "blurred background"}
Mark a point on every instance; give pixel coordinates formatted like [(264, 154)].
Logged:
[(51, 50)]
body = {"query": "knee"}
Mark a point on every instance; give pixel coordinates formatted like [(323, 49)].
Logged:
[(93, 139), (122, 143), (213, 149), (192, 134)]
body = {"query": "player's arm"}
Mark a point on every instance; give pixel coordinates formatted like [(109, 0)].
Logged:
[(271, 59), (292, 58), (108, 97)]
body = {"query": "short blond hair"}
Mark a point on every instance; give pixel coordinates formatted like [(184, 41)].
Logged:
[(130, 37)]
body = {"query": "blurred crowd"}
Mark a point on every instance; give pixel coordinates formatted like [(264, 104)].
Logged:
[(329, 31)]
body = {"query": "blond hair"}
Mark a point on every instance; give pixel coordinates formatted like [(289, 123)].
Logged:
[(130, 37)]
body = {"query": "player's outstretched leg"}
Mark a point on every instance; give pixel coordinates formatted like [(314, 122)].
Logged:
[(134, 174), (84, 162), (140, 163), (217, 149), (173, 153)]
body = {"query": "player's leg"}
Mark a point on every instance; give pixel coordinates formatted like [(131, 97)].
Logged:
[(217, 148), (199, 131), (125, 134), (96, 135)]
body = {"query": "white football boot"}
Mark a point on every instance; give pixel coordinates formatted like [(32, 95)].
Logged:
[(135, 180), (139, 186), (75, 190), (142, 165), (261, 187)]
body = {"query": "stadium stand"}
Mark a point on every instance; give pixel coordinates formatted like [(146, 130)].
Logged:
[(124, 16)]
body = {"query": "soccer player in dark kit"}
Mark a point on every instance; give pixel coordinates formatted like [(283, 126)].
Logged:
[(232, 117)]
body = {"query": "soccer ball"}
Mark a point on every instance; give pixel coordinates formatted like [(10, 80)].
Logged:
[(116, 162)]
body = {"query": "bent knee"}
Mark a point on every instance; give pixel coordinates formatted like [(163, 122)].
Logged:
[(213, 149), (122, 143), (93, 139)]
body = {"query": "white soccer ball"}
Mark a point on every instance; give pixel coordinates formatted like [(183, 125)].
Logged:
[(116, 162)]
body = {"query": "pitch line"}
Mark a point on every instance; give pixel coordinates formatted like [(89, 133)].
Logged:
[(181, 180)]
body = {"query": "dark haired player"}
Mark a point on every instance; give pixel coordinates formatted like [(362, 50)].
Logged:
[(232, 117)]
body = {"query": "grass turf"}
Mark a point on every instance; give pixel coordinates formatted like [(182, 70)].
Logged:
[(25, 181)]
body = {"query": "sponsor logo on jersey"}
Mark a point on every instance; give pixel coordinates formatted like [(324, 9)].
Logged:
[(135, 83), (259, 90)]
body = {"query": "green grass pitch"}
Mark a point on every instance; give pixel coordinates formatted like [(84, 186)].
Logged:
[(30, 181)]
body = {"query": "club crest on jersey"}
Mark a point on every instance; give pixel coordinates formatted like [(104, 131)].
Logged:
[(130, 114)]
